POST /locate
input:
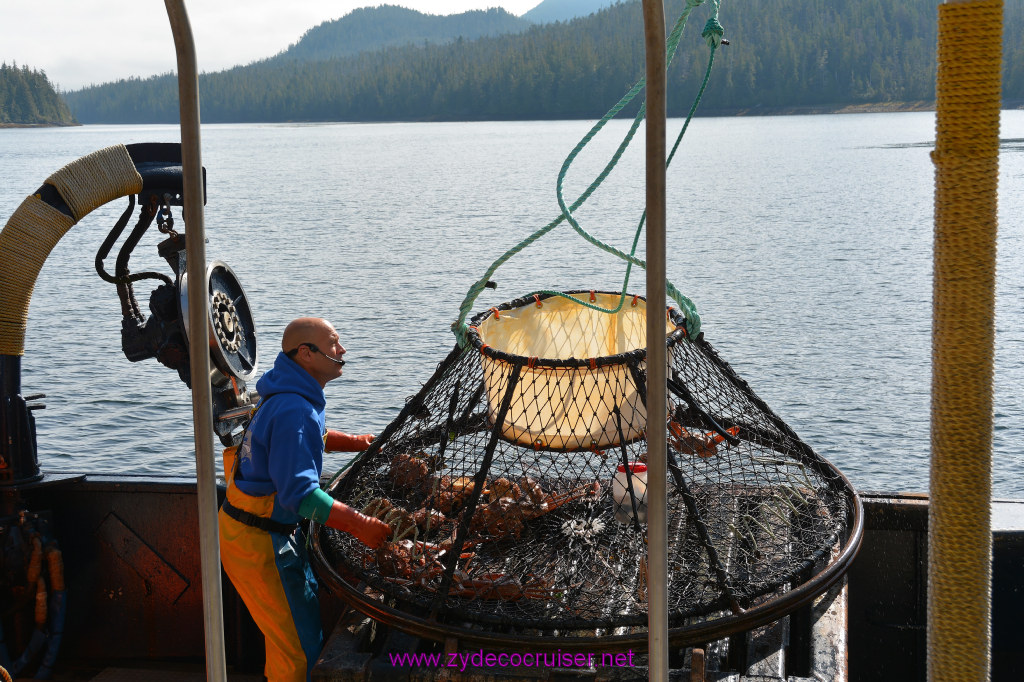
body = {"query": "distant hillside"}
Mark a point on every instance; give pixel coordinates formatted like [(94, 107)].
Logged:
[(564, 10), (27, 98), (784, 56), (373, 28)]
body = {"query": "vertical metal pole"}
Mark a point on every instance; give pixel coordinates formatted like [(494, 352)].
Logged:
[(199, 354), (657, 408), (966, 159)]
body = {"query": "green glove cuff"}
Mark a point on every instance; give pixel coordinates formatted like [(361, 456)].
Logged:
[(316, 506)]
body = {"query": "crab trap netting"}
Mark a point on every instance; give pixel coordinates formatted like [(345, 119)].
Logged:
[(514, 486)]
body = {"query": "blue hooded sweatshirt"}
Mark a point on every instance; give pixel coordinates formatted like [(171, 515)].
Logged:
[(283, 449)]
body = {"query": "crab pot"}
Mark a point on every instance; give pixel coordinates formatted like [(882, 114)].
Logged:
[(577, 368), (497, 479)]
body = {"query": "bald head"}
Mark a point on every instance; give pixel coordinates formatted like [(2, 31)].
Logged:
[(314, 345), (304, 330)]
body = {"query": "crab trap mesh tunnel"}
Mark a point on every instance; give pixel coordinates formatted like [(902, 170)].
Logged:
[(512, 485)]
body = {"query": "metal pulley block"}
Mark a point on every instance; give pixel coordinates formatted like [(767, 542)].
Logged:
[(232, 330), (226, 324), (232, 341)]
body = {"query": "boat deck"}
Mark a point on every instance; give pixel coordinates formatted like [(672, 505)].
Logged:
[(134, 598)]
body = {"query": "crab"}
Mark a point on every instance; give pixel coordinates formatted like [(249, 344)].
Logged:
[(703, 445), (500, 586), (507, 516), (401, 521), (448, 494), (408, 559), (410, 472)]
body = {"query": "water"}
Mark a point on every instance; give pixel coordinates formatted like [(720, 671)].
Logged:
[(805, 243)]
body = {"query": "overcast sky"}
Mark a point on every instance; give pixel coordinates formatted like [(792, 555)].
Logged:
[(81, 42)]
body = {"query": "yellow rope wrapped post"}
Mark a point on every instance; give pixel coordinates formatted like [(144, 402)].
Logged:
[(966, 159), (35, 228), (31, 233)]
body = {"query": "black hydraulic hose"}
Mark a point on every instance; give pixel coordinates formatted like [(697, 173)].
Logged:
[(108, 243), (146, 216), (123, 277)]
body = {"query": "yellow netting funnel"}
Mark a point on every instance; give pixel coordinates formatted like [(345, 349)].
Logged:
[(577, 367)]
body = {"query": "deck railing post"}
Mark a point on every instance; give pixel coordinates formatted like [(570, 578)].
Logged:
[(657, 352), (199, 353)]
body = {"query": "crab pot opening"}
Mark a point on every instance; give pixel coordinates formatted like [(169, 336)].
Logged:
[(577, 368), (498, 479)]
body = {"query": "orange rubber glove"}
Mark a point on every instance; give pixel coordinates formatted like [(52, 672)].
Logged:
[(368, 530), (343, 442)]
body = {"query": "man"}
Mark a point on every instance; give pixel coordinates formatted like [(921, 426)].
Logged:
[(275, 481)]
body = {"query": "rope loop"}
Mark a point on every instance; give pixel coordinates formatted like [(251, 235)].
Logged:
[(713, 32), (460, 329)]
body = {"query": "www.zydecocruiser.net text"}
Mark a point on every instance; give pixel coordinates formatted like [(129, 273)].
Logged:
[(461, 660)]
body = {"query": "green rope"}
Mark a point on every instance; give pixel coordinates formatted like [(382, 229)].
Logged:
[(341, 472), (685, 304), (712, 33), (688, 308)]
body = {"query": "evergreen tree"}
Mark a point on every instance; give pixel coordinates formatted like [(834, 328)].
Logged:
[(783, 55), (27, 98)]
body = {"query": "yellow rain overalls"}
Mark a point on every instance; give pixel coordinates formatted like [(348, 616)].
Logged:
[(275, 469), (268, 566)]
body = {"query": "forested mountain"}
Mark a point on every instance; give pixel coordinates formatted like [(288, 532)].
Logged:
[(784, 55), (27, 98), (372, 28), (563, 10)]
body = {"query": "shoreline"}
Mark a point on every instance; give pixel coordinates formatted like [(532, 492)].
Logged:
[(797, 110), (39, 125), (815, 109), (869, 108)]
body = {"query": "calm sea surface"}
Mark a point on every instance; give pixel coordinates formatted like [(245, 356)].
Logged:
[(805, 243)]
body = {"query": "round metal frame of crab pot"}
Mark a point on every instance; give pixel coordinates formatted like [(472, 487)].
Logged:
[(733, 570), (690, 635)]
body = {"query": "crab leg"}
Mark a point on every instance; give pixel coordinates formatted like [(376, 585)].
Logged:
[(556, 500)]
